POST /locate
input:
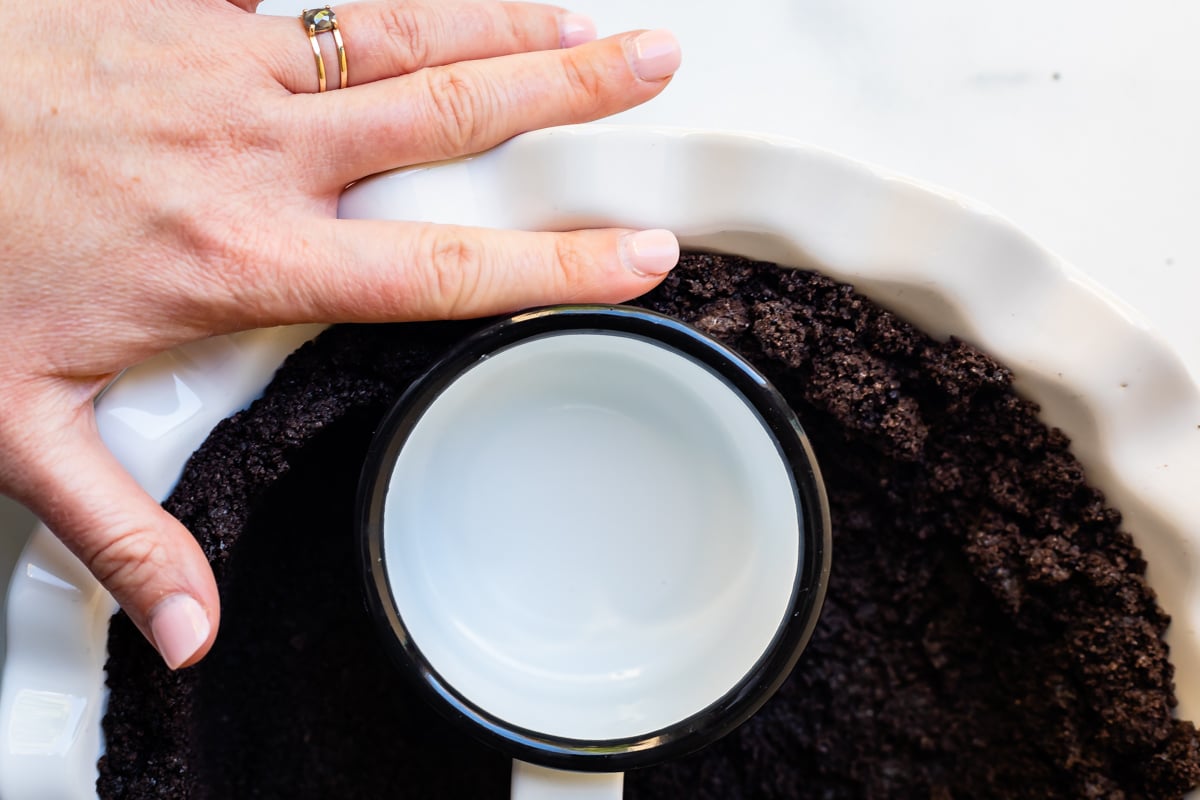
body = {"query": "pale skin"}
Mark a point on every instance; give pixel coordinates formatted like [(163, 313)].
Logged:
[(170, 172)]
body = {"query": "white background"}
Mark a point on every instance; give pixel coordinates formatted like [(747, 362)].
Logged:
[(1078, 120)]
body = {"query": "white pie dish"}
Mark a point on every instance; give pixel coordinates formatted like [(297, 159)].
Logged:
[(948, 265)]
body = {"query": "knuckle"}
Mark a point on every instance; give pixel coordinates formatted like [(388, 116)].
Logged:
[(246, 132), (213, 246), (404, 25), (460, 106), (250, 133), (571, 264), (514, 26), (453, 266), (126, 559), (229, 265), (586, 86)]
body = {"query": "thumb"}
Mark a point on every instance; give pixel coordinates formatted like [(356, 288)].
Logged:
[(143, 556)]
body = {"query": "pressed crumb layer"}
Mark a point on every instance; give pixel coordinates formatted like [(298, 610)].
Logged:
[(987, 633)]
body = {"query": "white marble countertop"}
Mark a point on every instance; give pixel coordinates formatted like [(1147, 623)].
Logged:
[(1077, 120)]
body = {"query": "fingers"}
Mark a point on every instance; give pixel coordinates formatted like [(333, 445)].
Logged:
[(144, 557), (374, 271), (468, 107), (385, 38)]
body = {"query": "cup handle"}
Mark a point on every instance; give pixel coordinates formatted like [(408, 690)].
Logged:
[(531, 782)]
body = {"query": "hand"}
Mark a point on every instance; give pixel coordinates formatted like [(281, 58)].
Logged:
[(170, 172)]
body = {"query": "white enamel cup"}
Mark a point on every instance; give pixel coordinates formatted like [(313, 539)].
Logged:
[(595, 538)]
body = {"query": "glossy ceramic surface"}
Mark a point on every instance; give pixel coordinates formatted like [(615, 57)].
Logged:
[(52, 689), (594, 536), (945, 263)]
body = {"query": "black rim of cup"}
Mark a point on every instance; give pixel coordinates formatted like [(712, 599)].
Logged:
[(686, 735)]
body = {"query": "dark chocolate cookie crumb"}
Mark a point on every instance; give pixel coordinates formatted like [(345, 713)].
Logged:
[(987, 634)]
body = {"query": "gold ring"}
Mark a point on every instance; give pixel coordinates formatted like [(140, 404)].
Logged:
[(323, 20)]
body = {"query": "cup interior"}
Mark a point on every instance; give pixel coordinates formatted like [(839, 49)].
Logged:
[(588, 535)]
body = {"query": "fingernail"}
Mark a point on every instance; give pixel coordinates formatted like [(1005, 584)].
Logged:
[(649, 254), (179, 626), (654, 55), (576, 29)]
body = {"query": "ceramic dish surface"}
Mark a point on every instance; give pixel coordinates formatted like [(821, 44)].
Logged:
[(944, 263)]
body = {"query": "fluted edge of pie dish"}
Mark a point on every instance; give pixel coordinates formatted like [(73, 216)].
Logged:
[(951, 266)]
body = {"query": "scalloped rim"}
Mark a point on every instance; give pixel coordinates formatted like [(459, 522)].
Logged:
[(944, 262)]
